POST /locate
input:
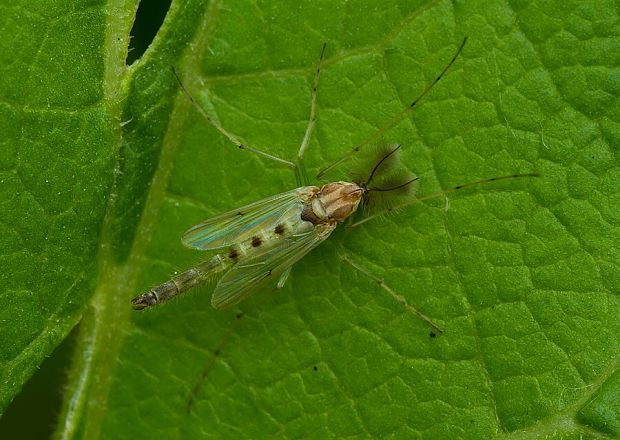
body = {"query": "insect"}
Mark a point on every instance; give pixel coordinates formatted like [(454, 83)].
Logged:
[(260, 242)]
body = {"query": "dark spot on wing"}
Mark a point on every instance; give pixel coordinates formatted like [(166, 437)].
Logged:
[(240, 213), (233, 255), (279, 229), (256, 241)]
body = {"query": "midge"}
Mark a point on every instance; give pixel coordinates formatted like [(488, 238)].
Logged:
[(263, 240)]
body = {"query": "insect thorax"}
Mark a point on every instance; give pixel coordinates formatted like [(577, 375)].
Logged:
[(333, 203)]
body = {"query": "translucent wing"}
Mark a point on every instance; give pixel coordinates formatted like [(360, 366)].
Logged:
[(242, 223), (249, 276)]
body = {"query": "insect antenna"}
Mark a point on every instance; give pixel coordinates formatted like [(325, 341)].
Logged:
[(396, 119), (385, 179), (394, 188), (442, 193), (389, 192), (378, 164)]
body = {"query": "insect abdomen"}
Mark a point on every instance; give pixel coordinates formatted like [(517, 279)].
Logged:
[(263, 240), (180, 283), (238, 253)]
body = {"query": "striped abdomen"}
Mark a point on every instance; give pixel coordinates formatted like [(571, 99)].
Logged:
[(261, 242), (180, 283)]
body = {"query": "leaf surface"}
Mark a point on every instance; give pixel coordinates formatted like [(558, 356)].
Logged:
[(522, 275)]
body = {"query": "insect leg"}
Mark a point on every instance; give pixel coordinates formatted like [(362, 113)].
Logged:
[(223, 341), (439, 194), (394, 120), (218, 349), (311, 121), (231, 137), (399, 298)]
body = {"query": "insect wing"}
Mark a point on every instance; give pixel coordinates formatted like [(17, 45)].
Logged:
[(250, 276), (242, 223)]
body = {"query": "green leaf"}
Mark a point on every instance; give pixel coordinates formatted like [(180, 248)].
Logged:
[(104, 167), (56, 161)]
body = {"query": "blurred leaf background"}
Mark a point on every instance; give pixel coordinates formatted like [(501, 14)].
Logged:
[(103, 166)]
